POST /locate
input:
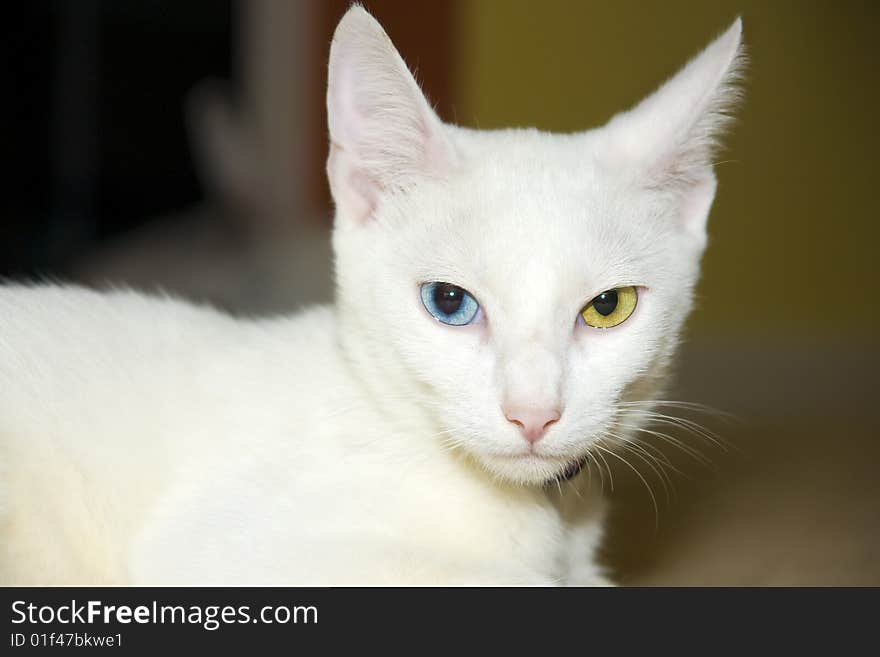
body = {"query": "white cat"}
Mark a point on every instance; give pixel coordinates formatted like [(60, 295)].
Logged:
[(504, 301)]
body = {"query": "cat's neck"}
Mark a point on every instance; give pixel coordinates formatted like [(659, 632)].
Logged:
[(383, 380)]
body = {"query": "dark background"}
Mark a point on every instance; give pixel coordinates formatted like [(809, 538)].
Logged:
[(97, 127)]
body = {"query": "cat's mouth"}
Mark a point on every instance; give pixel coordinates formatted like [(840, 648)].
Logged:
[(571, 470), (537, 470)]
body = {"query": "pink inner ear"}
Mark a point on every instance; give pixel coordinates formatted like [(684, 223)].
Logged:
[(696, 203), (367, 191), (355, 191), (342, 109), (384, 134)]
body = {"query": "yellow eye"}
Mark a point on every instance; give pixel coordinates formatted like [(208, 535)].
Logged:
[(611, 308)]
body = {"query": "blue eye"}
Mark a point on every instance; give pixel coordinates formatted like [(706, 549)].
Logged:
[(449, 303)]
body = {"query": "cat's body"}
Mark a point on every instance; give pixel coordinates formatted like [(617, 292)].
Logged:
[(146, 440), (261, 459)]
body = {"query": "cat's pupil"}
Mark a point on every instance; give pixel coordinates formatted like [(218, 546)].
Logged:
[(447, 298), (606, 302)]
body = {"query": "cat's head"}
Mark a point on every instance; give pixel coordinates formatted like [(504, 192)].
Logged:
[(521, 288)]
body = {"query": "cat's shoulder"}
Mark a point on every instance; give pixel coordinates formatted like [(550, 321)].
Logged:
[(124, 303), (23, 301), (50, 333), (65, 316)]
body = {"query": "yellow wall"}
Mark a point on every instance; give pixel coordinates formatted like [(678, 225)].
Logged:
[(794, 232)]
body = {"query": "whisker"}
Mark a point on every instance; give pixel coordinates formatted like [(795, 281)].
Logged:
[(693, 452), (657, 454), (676, 403), (691, 426), (608, 468), (646, 458), (644, 481), (591, 459)]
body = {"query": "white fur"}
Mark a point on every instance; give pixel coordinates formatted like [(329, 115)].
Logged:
[(147, 440)]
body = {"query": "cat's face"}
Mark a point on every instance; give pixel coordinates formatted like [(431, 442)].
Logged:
[(520, 287)]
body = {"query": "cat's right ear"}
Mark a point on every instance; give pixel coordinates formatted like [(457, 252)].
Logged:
[(384, 136), (672, 135)]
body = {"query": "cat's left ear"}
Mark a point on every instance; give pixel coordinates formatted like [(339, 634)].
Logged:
[(384, 136), (670, 137)]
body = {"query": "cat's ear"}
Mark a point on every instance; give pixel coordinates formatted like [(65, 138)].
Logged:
[(384, 136), (672, 135)]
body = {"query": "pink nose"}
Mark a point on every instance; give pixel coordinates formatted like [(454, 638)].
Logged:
[(532, 421)]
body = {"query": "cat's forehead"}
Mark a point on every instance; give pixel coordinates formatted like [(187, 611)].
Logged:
[(527, 180), (535, 211), (527, 151)]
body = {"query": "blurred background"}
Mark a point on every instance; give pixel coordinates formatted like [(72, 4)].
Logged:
[(181, 145)]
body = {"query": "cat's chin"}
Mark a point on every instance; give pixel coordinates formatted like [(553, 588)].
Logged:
[(532, 469)]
